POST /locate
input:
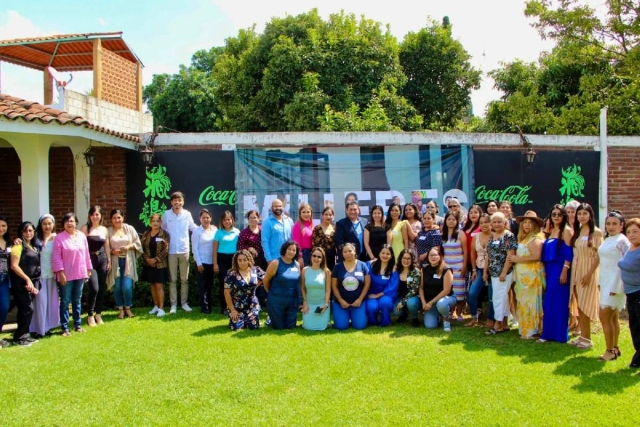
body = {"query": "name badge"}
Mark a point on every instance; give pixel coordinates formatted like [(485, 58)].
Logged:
[(585, 238), (159, 240), (385, 277), (254, 276), (495, 242), (294, 268), (422, 238), (409, 279), (358, 274), (396, 232), (436, 276)]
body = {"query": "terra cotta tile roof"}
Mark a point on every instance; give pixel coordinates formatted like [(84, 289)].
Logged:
[(14, 109)]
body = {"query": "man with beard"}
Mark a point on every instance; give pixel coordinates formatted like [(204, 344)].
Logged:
[(276, 230)]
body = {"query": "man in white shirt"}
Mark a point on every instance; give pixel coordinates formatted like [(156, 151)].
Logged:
[(178, 222)]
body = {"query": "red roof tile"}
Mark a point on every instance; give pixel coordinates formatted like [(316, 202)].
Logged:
[(16, 108)]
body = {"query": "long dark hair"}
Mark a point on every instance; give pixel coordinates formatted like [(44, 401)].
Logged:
[(563, 224), (470, 226), (576, 224), (416, 211), (390, 265), (93, 210), (445, 227), (39, 230), (413, 261), (389, 220), (6, 236), (373, 209), (23, 226)]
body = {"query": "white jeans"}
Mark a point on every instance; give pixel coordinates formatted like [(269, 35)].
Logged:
[(501, 296)]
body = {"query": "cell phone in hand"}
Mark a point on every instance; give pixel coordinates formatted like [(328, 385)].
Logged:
[(319, 309)]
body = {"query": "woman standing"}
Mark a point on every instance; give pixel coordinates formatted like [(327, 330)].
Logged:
[(5, 284), (529, 275), (155, 253), (251, 239), (613, 248), (240, 292), (72, 265), (98, 249), (25, 279), (202, 248), (395, 228), (630, 272), (376, 233), (455, 256), (302, 233), (125, 249), (557, 255), (409, 277), (225, 245), (46, 305), (432, 206), (324, 236), (412, 227), (436, 290), (315, 288), (282, 283), (383, 289), (571, 209), (574, 326), (502, 243), (478, 260), (428, 237), (505, 208), (350, 282), (586, 240)]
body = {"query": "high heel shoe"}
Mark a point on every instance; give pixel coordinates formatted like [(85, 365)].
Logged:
[(121, 313), (617, 351), (91, 321), (608, 356), (129, 314), (98, 318)]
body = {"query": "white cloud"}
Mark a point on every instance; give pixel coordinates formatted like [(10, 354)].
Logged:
[(102, 22)]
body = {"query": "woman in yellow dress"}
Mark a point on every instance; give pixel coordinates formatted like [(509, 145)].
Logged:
[(586, 240), (395, 229), (529, 275)]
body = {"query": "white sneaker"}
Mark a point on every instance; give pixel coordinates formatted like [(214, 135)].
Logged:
[(446, 326), (173, 310), (186, 308), (160, 312), (154, 310)]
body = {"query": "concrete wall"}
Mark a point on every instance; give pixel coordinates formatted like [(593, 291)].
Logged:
[(107, 114)]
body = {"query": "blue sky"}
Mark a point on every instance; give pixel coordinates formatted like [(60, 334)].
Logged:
[(165, 33)]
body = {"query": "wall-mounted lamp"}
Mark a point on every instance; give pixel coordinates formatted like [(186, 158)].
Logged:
[(146, 150), (90, 156), (529, 153)]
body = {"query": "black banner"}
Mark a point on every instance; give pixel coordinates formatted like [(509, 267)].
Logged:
[(205, 177), (555, 177)]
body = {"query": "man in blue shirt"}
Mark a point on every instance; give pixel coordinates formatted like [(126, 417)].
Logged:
[(276, 230), (351, 229)]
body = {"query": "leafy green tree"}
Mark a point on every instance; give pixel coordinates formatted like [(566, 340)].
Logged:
[(595, 64), (439, 75)]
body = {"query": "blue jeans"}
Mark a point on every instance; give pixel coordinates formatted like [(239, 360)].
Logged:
[(441, 308), (70, 293), (412, 306), (306, 256), (5, 297), (474, 292), (123, 287), (341, 316), (282, 306), (382, 306)]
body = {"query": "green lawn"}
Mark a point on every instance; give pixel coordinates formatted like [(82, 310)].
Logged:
[(189, 369)]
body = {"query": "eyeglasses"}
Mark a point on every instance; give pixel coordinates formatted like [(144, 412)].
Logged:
[(316, 256), (406, 259), (453, 206), (556, 214)]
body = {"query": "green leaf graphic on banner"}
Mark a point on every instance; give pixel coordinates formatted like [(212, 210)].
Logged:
[(572, 184), (158, 186)]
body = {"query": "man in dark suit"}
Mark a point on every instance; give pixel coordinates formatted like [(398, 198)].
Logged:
[(351, 230)]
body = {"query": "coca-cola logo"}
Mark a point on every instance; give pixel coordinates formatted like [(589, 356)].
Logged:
[(211, 196), (516, 194)]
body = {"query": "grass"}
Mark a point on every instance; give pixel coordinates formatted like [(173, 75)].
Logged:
[(190, 369)]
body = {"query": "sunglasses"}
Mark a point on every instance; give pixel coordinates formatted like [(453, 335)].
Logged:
[(556, 214)]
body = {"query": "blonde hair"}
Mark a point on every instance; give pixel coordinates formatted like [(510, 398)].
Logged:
[(535, 230), (303, 206)]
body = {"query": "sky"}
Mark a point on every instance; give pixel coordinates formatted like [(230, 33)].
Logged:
[(165, 33)]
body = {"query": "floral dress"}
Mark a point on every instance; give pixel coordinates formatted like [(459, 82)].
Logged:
[(409, 289), (327, 242), (530, 285), (243, 296)]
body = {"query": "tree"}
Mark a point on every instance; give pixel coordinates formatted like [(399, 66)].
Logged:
[(439, 75), (185, 101), (594, 64), (285, 78)]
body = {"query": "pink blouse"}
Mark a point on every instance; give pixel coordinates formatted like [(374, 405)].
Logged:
[(71, 255), (302, 234)]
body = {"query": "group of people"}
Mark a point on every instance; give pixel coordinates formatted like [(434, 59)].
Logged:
[(549, 276)]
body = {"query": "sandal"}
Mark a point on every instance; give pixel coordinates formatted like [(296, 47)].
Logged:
[(66, 333), (129, 314), (585, 344), (98, 318), (470, 323), (494, 331), (541, 340), (91, 321), (79, 329), (608, 356), (617, 351), (488, 324), (121, 313)]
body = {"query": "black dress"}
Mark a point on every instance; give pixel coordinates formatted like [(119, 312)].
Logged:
[(153, 274)]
